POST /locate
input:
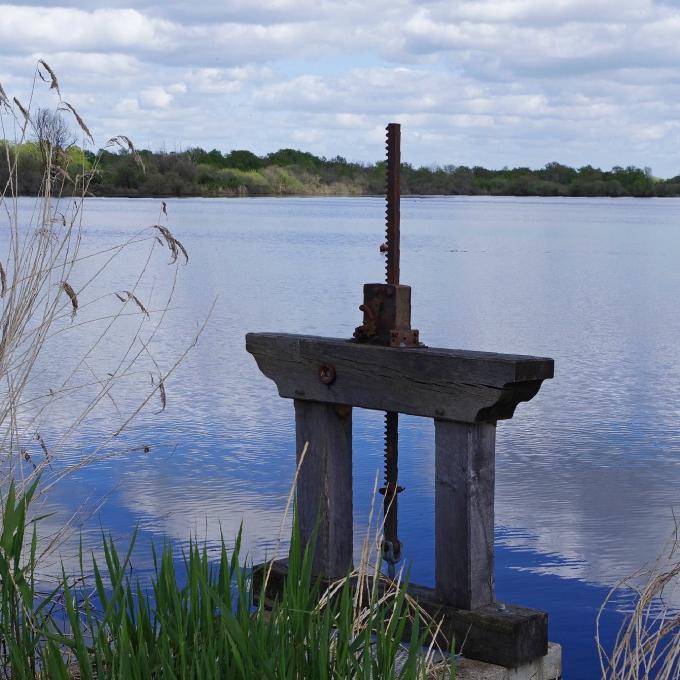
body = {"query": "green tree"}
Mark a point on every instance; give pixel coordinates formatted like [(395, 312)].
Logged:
[(242, 160)]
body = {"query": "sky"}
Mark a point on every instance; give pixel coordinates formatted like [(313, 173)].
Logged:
[(487, 82)]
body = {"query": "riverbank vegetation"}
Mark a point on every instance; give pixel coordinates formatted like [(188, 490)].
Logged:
[(194, 618), (287, 172)]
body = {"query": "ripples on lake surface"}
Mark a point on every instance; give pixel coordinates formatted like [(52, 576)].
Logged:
[(587, 472)]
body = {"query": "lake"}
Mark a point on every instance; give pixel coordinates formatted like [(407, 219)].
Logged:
[(587, 472)]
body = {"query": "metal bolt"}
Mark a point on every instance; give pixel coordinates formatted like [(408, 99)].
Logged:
[(327, 374)]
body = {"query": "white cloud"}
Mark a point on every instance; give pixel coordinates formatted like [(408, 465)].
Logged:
[(493, 82), (177, 88), (127, 106), (45, 29), (155, 97)]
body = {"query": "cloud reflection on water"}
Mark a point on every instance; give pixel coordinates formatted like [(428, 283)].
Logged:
[(588, 471)]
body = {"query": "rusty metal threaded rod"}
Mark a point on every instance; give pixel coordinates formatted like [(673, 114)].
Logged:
[(392, 545)]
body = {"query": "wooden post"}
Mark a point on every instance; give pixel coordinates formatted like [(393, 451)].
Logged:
[(465, 393), (324, 485), (464, 513)]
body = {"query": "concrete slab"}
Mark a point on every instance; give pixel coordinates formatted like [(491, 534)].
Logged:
[(547, 668)]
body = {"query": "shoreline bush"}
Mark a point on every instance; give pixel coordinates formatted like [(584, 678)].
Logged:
[(290, 172)]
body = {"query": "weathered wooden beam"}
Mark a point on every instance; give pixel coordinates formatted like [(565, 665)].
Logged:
[(464, 386), (324, 484), (464, 513), (502, 634)]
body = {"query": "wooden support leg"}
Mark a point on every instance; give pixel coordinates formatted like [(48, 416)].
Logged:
[(324, 486), (464, 513)]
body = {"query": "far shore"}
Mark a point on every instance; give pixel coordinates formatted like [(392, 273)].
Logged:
[(290, 172)]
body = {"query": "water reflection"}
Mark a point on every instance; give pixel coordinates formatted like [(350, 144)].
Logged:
[(587, 472)]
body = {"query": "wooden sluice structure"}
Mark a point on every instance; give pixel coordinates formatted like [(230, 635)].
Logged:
[(465, 393)]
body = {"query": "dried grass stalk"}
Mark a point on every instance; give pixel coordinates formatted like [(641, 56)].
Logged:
[(370, 587), (60, 172), (21, 108), (184, 251), (3, 281), (65, 106), (39, 258), (72, 296), (54, 83), (43, 446), (161, 392), (173, 244), (648, 643), (124, 142), (126, 295)]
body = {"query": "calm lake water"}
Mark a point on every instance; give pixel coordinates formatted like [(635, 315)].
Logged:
[(587, 472)]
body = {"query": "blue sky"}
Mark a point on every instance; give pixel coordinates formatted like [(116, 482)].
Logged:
[(489, 82)]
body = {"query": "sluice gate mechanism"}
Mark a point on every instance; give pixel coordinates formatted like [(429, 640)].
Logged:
[(385, 367)]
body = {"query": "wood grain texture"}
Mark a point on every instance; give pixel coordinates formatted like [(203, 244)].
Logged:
[(504, 634), (324, 485), (458, 385), (464, 513)]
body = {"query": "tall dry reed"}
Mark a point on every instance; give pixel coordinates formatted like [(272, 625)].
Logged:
[(372, 594), (55, 319), (647, 646)]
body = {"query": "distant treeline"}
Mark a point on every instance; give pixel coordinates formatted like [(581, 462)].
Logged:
[(196, 172)]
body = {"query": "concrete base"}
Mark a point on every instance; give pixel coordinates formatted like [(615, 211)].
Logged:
[(547, 668)]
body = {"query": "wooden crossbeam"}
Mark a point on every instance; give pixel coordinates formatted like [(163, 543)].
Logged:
[(469, 387)]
